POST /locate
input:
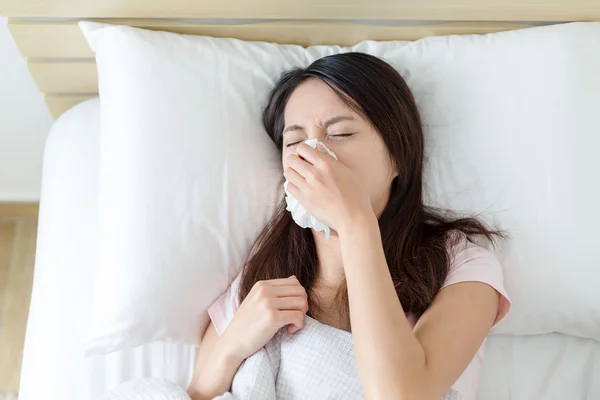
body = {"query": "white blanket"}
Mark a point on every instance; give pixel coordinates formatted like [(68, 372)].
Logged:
[(316, 363)]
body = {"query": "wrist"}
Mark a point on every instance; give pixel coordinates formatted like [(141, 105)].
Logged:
[(359, 222), (216, 378), (226, 353)]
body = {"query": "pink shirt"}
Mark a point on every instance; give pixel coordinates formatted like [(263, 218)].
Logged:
[(470, 263)]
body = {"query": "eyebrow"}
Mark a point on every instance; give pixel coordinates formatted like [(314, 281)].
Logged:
[(327, 124)]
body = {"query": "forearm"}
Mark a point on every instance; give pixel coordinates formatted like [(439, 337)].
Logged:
[(389, 356), (214, 376)]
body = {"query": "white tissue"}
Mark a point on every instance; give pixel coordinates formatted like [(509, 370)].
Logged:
[(299, 213)]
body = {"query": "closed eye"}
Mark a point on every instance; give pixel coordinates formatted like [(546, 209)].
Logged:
[(337, 135), (342, 134)]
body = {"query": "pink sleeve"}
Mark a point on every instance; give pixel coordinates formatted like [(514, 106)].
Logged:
[(473, 263), (222, 310)]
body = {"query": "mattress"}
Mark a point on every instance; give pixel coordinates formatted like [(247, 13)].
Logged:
[(553, 366), (53, 363)]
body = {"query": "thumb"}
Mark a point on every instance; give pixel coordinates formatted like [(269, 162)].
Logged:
[(291, 329)]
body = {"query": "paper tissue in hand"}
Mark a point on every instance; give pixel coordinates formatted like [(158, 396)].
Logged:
[(299, 213)]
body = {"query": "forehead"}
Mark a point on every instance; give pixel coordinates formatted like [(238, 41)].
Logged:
[(313, 99)]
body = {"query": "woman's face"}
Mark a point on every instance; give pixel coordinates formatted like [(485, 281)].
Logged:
[(314, 111)]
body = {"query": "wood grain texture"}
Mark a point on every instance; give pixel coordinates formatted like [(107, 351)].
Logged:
[(16, 294), (65, 40), (19, 210), (445, 10)]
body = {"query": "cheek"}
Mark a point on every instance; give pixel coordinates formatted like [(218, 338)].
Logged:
[(284, 154), (362, 168), (373, 173)]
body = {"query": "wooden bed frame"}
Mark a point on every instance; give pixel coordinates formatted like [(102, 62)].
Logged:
[(63, 66)]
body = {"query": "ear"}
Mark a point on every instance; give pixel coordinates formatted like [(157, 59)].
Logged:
[(395, 169)]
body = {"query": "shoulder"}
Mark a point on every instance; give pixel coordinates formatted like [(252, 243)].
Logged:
[(470, 262), (221, 312)]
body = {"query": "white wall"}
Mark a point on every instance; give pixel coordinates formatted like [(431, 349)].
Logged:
[(24, 124)]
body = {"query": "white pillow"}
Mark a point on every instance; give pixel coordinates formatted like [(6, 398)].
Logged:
[(188, 176), (187, 179)]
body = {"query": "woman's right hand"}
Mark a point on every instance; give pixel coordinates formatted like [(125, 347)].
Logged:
[(269, 306)]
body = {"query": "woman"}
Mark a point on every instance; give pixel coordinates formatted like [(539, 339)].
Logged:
[(417, 294)]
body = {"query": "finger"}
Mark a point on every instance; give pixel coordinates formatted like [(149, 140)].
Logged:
[(294, 191), (298, 303), (266, 288), (321, 148), (294, 177), (309, 154), (292, 280), (299, 165), (291, 317), (291, 290)]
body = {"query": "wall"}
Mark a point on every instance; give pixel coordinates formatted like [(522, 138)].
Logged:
[(24, 124)]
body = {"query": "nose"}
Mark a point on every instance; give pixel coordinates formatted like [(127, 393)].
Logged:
[(316, 133)]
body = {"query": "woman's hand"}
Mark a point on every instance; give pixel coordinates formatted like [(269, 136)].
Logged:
[(325, 187), (269, 306)]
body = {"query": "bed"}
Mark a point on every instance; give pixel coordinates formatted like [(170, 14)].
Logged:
[(54, 366), (552, 366)]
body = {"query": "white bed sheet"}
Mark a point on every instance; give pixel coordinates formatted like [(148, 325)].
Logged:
[(549, 367), (53, 362), (552, 366)]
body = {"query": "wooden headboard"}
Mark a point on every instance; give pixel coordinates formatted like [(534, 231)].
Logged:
[(63, 66)]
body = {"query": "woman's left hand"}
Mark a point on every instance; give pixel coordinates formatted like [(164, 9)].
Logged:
[(328, 189)]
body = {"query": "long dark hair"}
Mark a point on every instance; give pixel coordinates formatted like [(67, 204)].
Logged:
[(416, 238)]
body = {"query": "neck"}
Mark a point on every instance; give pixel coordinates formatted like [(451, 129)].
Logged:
[(330, 270)]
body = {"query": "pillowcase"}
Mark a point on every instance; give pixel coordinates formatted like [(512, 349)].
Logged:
[(189, 177), (187, 180)]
